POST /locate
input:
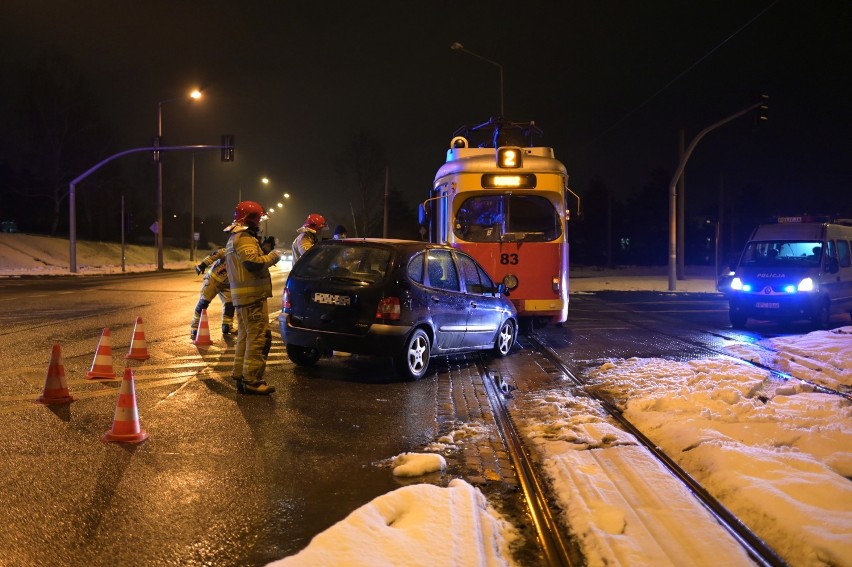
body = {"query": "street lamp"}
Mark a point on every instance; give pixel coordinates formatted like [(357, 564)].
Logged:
[(194, 95), (456, 46)]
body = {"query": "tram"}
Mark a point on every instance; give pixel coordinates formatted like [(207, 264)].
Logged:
[(503, 200)]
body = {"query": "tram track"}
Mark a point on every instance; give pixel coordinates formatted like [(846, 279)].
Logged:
[(756, 548), (642, 333), (711, 350)]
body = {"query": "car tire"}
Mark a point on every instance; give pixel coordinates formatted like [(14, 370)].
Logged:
[(303, 356), (738, 319), (413, 362), (822, 318), (505, 339)]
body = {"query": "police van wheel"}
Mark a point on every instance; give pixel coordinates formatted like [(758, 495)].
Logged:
[(303, 356), (822, 318), (738, 319)]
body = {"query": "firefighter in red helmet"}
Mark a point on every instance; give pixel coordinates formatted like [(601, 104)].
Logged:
[(307, 236), (251, 285)]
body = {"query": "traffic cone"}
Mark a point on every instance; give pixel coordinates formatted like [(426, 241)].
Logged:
[(55, 385), (138, 347), (125, 423), (202, 338), (102, 364)]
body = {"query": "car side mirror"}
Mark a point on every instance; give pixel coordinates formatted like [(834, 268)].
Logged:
[(501, 289), (831, 266)]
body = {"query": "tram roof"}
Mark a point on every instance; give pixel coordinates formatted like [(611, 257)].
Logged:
[(483, 160)]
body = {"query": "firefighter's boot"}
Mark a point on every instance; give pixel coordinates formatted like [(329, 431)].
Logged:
[(258, 387)]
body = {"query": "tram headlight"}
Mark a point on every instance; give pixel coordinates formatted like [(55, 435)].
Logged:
[(510, 281)]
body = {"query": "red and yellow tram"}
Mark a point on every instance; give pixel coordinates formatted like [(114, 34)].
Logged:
[(504, 201)]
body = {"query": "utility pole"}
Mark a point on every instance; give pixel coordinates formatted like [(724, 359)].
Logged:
[(673, 254)]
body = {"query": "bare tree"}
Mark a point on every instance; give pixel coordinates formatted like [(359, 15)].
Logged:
[(60, 131), (362, 166)]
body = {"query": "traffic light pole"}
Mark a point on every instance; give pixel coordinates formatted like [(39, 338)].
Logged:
[(227, 155), (673, 252)]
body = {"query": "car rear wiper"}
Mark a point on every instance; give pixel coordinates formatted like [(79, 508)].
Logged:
[(345, 279)]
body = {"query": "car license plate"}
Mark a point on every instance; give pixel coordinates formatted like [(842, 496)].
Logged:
[(331, 299), (767, 305)]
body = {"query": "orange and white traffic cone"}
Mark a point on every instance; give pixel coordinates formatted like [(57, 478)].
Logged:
[(138, 347), (125, 423), (55, 385), (102, 364), (202, 338)]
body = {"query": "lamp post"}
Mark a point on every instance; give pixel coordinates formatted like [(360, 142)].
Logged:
[(192, 214), (194, 95), (456, 46)]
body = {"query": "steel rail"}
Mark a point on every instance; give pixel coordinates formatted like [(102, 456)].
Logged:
[(557, 551), (756, 548)]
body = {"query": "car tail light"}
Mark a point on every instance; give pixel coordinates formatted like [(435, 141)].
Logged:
[(285, 301), (388, 308)]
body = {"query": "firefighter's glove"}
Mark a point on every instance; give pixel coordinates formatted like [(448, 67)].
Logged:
[(199, 269)]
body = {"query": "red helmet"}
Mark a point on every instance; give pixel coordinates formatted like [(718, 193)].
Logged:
[(315, 222), (248, 213)]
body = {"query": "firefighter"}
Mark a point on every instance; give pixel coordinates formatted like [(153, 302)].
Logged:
[(215, 283), (251, 285), (307, 236)]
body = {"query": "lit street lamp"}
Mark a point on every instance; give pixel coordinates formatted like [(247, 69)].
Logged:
[(195, 95), (456, 46)]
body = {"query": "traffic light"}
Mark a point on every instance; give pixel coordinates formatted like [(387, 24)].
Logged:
[(227, 147), (761, 111), (156, 143)]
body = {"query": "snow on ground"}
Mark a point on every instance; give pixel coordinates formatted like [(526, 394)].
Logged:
[(777, 453)]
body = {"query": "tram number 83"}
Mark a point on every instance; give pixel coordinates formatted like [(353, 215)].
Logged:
[(509, 259)]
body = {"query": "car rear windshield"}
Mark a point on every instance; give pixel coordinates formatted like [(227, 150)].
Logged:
[(367, 264)]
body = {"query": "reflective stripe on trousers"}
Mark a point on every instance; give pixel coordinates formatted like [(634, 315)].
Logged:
[(253, 333)]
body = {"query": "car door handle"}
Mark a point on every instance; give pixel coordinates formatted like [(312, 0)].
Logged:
[(473, 304), (436, 299)]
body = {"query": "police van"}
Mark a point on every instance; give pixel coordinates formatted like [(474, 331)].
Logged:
[(792, 269)]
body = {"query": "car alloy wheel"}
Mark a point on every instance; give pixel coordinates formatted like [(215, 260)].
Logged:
[(414, 360), (505, 339)]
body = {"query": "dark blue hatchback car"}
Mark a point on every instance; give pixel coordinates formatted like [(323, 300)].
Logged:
[(402, 299)]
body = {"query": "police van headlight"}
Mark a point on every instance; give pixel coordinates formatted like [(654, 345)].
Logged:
[(737, 284), (806, 284)]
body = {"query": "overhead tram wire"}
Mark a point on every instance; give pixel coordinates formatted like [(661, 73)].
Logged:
[(684, 72)]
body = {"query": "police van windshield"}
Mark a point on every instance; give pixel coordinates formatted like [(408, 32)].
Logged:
[(782, 253), (499, 218)]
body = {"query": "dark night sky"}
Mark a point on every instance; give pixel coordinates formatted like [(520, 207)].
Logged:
[(610, 83)]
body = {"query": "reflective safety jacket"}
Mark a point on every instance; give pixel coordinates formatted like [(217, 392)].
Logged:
[(248, 267), (218, 268), (304, 242)]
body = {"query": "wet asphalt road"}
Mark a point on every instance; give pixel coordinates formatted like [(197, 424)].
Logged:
[(234, 480)]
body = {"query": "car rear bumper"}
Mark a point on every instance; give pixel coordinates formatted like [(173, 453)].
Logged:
[(379, 340)]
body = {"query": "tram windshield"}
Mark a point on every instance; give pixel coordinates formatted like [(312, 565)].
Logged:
[(507, 218)]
